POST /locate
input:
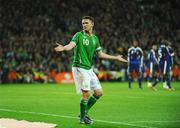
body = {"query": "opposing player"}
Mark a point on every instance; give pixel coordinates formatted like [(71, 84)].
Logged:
[(152, 62), (135, 63), (165, 64), (86, 44)]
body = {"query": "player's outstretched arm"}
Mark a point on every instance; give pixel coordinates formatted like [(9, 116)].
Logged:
[(119, 58), (61, 48), (110, 57)]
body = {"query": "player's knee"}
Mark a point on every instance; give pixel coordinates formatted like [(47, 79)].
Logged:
[(85, 94), (98, 95)]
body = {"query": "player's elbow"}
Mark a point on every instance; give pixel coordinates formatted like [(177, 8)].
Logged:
[(101, 55)]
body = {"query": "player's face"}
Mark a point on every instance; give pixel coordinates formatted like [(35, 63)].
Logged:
[(154, 47), (87, 24), (135, 43)]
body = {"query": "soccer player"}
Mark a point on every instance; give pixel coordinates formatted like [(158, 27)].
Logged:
[(135, 63), (152, 62), (165, 63), (86, 44)]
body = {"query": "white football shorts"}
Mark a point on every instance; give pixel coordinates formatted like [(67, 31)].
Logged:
[(85, 80)]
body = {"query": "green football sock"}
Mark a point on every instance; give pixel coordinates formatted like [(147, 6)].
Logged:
[(83, 108), (92, 100)]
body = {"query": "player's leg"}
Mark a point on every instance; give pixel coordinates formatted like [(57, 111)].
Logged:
[(92, 100), (156, 75), (168, 77), (82, 83), (150, 77), (162, 68), (96, 86), (139, 75), (85, 98), (153, 78), (83, 105), (129, 73), (167, 81), (157, 78), (140, 80), (164, 75)]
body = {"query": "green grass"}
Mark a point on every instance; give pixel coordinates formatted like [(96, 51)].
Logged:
[(118, 108)]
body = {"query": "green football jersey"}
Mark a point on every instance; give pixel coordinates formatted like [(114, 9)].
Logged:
[(85, 48)]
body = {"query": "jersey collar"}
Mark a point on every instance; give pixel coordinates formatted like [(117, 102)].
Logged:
[(87, 34)]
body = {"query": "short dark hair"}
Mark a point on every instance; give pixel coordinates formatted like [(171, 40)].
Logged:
[(165, 42), (89, 17)]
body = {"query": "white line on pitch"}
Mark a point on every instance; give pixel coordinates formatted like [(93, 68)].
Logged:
[(71, 117), (156, 121), (123, 123)]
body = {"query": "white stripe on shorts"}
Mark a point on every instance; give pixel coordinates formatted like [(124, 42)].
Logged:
[(165, 66), (151, 67)]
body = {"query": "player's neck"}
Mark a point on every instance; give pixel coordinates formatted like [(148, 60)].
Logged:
[(89, 33)]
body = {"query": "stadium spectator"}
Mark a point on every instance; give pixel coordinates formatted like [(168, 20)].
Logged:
[(31, 27), (176, 72)]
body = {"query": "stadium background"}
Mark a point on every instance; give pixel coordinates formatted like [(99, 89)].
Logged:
[(29, 30)]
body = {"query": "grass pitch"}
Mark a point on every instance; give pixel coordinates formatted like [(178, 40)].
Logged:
[(118, 108)]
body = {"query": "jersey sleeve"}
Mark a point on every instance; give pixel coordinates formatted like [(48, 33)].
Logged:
[(98, 47), (170, 51), (129, 54), (154, 57), (140, 50), (75, 38), (142, 57)]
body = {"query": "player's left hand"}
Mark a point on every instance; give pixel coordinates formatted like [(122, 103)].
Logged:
[(119, 58)]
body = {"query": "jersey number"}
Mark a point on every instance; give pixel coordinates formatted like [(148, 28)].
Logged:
[(85, 42)]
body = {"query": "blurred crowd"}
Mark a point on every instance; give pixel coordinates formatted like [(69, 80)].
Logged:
[(29, 30)]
